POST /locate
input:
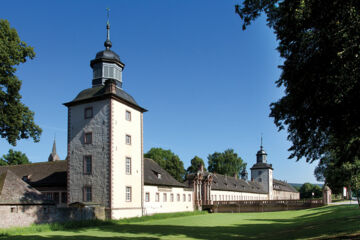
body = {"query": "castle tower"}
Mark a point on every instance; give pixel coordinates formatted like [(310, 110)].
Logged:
[(105, 141), (262, 172)]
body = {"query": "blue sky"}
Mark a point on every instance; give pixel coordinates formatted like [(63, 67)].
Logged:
[(206, 83)]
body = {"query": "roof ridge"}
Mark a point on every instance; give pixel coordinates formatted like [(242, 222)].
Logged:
[(35, 163)]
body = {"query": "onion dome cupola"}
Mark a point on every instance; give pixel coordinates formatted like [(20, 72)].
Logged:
[(107, 64)]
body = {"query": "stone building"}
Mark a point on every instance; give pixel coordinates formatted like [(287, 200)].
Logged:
[(105, 164)]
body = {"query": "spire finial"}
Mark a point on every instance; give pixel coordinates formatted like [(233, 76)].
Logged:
[(261, 144), (108, 43)]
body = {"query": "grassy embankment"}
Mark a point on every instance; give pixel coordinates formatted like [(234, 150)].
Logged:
[(341, 222)]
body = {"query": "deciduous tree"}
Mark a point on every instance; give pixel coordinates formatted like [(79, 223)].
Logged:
[(227, 162), (196, 162), (319, 41), (16, 119), (14, 158), (168, 161)]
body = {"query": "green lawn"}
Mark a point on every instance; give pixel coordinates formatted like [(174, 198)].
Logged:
[(341, 222)]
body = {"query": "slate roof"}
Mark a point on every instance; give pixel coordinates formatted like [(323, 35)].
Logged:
[(261, 166), (99, 92), (151, 171), (43, 174), (283, 186), (15, 191), (227, 183)]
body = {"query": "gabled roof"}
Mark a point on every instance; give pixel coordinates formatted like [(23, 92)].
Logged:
[(43, 174), (283, 186), (15, 191), (156, 175), (227, 183)]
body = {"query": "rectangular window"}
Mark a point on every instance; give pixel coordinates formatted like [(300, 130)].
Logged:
[(128, 139), (184, 198), (164, 197), (147, 197), (171, 197), (88, 164), (63, 197), (56, 197), (128, 115), (87, 194), (178, 197), (189, 197), (157, 197), (49, 196), (13, 209), (128, 194), (88, 112), (88, 138), (128, 165)]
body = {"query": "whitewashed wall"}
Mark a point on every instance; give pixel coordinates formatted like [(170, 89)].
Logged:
[(217, 195), (152, 206), (120, 150), (282, 195)]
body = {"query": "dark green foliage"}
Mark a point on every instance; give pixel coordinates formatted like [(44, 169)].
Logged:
[(319, 41), (227, 163), (16, 119), (168, 161), (338, 174), (14, 158), (196, 162), (307, 189)]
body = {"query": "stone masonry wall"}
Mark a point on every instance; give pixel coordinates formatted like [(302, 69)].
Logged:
[(98, 149)]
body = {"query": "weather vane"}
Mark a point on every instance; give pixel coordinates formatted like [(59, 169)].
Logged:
[(108, 14)]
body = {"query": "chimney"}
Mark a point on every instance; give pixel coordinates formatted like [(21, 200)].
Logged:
[(110, 86)]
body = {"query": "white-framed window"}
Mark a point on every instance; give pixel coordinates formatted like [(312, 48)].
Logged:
[(189, 197), (128, 194), (128, 165), (184, 198), (128, 115), (147, 197), (178, 197), (164, 197), (171, 197), (157, 197), (128, 139)]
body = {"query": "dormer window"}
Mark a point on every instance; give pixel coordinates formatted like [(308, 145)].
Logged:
[(159, 175)]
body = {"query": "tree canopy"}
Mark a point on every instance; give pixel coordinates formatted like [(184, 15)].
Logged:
[(195, 164), (16, 119), (307, 189), (168, 161), (14, 158), (319, 41), (227, 163)]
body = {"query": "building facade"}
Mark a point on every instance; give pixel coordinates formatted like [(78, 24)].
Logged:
[(105, 164)]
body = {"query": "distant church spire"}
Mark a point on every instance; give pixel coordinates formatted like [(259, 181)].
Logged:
[(53, 155), (108, 43)]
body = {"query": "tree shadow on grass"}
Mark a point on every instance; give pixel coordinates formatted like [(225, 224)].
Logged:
[(327, 221)]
